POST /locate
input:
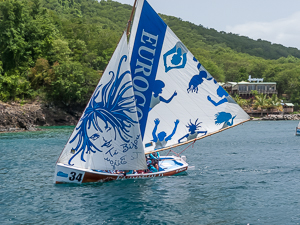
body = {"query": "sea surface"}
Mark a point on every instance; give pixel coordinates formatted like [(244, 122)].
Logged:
[(249, 174)]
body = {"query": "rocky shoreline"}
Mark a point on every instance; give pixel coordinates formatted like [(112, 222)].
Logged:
[(28, 117), (16, 117), (281, 117)]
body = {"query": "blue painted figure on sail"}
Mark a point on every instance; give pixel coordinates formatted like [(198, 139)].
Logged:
[(193, 131), (156, 98), (224, 117), (221, 93), (175, 58), (196, 81), (106, 115), (199, 78), (160, 139)]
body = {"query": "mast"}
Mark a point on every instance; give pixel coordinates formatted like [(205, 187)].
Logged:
[(130, 19)]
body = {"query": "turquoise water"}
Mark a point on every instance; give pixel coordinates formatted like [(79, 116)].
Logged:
[(246, 175)]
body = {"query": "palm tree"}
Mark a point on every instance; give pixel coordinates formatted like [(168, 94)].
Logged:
[(275, 103), (243, 103), (261, 102)]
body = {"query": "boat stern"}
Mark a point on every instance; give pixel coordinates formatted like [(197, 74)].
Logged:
[(65, 174)]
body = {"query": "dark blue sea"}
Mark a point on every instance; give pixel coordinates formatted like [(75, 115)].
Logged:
[(249, 174)]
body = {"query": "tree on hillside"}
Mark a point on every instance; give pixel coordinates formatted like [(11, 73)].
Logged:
[(261, 102), (243, 103), (275, 103), (56, 46), (71, 84), (26, 33)]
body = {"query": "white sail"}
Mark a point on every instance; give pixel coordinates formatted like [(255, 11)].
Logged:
[(177, 99), (107, 136)]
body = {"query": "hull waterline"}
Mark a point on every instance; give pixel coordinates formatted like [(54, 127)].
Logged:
[(68, 174)]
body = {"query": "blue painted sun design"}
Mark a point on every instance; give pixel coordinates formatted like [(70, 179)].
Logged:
[(114, 108)]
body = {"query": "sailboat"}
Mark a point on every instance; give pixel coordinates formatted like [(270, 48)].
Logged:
[(298, 130), (153, 96)]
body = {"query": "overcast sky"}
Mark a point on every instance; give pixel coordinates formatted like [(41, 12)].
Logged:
[(276, 21)]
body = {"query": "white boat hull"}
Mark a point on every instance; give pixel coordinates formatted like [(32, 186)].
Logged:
[(67, 174)]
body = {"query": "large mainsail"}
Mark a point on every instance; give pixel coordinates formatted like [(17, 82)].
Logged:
[(107, 136), (177, 99)]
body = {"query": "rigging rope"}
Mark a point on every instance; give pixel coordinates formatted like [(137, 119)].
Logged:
[(178, 154)]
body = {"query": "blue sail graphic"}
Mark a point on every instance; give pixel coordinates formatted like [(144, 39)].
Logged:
[(145, 57), (107, 136), (170, 84)]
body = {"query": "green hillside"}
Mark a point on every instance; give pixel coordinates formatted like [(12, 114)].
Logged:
[(57, 50)]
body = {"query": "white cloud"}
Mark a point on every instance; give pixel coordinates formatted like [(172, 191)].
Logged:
[(284, 31)]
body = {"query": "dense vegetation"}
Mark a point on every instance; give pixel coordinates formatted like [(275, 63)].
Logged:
[(57, 49)]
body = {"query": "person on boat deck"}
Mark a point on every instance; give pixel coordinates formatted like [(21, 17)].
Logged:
[(154, 159), (152, 168)]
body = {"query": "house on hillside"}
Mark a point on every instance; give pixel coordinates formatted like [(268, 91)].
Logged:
[(244, 89)]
